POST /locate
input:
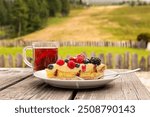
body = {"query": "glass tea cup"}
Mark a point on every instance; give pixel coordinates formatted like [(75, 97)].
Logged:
[(44, 53)]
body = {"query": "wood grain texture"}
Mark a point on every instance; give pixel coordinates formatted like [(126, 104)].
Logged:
[(10, 60), (35, 89), (2, 61), (16, 83), (102, 57), (126, 60), (10, 76), (118, 62), (109, 61), (142, 64), (128, 87), (134, 61)]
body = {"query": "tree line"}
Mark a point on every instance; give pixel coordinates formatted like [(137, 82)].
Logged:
[(25, 16)]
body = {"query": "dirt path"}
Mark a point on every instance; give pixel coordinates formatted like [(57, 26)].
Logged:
[(82, 27)]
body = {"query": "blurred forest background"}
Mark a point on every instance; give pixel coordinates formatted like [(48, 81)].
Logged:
[(20, 17), (97, 27), (104, 19)]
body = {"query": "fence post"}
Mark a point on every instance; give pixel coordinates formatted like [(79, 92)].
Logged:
[(2, 61), (84, 53), (134, 61), (93, 54), (142, 64), (68, 56), (126, 60), (109, 60), (118, 62), (101, 56), (10, 61), (148, 63), (19, 60)]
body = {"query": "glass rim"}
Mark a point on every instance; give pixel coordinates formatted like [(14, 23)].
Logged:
[(45, 44)]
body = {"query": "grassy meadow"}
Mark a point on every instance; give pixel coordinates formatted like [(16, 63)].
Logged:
[(125, 23), (96, 23), (72, 51)]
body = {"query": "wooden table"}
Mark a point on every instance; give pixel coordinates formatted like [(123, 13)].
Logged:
[(19, 83)]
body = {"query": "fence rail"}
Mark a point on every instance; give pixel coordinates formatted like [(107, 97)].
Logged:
[(125, 61), (131, 44)]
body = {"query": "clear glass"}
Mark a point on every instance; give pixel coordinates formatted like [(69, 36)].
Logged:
[(44, 53)]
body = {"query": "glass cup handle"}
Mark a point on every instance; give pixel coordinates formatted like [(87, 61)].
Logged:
[(25, 57)]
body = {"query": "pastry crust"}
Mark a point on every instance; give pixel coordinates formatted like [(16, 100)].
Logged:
[(63, 72)]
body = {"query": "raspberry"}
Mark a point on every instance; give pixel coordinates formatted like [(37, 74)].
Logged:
[(81, 55), (71, 64), (83, 68), (72, 59), (60, 62), (80, 58)]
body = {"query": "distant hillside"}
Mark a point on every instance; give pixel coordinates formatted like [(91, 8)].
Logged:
[(97, 23), (108, 1)]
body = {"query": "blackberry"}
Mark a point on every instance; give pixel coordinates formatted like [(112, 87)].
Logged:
[(86, 61), (95, 61), (66, 60), (77, 65), (50, 66), (98, 61)]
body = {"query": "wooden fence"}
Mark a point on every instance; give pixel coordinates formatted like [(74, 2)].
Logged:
[(130, 44), (125, 61)]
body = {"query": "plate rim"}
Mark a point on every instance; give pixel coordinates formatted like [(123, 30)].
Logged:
[(59, 80)]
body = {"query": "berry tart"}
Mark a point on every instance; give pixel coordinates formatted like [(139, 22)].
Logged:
[(80, 66)]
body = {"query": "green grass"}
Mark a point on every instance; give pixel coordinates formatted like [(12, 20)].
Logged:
[(10, 50), (104, 22), (2, 33), (59, 19), (72, 51), (56, 20), (124, 23)]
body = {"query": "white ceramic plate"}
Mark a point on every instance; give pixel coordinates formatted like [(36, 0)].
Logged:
[(75, 84)]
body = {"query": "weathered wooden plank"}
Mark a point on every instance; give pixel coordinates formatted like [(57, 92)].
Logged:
[(109, 60), (128, 87), (33, 88), (85, 54), (19, 60), (142, 64), (134, 61), (10, 76), (102, 57), (2, 61), (10, 61), (118, 61), (93, 54), (126, 60), (131, 44)]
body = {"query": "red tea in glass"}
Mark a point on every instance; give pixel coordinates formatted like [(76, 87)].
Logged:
[(44, 56), (44, 53)]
